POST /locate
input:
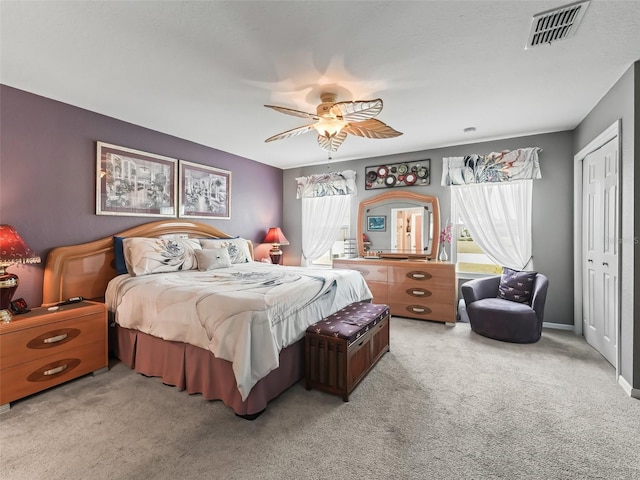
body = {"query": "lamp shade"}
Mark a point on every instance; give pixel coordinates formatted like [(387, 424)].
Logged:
[(13, 248), (275, 236)]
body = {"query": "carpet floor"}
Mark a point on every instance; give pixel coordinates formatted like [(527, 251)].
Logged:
[(444, 403)]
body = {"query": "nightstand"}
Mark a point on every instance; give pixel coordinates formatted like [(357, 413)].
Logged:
[(43, 348)]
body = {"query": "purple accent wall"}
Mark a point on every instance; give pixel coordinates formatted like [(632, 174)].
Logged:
[(48, 178)]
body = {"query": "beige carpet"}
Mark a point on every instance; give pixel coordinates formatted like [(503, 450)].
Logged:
[(445, 403)]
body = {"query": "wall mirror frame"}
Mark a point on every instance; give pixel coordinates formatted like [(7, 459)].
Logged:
[(412, 225)]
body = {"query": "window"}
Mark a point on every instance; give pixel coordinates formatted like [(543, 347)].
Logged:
[(337, 248), (465, 252)]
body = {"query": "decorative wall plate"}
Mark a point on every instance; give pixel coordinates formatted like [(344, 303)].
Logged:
[(405, 174)]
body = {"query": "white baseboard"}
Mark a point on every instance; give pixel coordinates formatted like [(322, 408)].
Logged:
[(629, 390), (557, 326)]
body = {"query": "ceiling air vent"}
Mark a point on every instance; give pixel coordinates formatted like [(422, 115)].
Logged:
[(557, 24)]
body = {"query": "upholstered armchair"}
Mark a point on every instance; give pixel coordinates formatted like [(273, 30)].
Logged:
[(501, 319)]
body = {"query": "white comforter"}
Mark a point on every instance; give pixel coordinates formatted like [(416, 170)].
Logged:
[(244, 314)]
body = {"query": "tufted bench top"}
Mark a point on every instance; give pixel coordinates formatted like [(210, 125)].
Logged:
[(351, 322)]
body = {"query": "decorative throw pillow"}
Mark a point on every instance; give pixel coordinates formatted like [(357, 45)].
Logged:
[(238, 248), (118, 253), (516, 286), (212, 258), (157, 255)]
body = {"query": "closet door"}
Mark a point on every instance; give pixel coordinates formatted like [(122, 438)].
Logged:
[(600, 249)]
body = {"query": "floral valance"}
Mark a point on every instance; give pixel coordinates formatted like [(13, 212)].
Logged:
[(327, 184), (506, 166)]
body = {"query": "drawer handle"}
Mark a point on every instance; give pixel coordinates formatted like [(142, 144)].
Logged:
[(53, 371), (418, 275), (57, 338), (418, 292), (419, 309)]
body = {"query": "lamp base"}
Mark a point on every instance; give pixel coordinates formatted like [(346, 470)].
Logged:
[(8, 286), (276, 255)]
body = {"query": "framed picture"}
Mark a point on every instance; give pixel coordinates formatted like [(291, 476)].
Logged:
[(135, 183), (377, 223), (205, 192)]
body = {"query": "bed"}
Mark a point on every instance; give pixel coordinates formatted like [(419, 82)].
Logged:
[(241, 332)]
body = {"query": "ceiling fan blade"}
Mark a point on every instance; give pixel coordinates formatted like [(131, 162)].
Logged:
[(291, 133), (295, 113), (331, 144), (357, 111), (371, 128)]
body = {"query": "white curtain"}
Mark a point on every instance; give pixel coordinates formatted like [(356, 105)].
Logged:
[(498, 216), (321, 222)]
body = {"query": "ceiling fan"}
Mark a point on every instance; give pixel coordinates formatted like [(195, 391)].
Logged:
[(334, 120)]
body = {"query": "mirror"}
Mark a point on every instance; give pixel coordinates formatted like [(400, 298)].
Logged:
[(399, 225)]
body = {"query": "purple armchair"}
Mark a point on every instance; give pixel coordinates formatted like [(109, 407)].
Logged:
[(500, 319)]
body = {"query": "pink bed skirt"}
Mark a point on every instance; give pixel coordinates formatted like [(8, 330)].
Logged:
[(198, 371)]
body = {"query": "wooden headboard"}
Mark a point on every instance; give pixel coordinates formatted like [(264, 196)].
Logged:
[(86, 269)]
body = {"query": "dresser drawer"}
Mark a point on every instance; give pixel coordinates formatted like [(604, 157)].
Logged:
[(379, 291), (31, 377), (441, 312), (421, 292), (22, 346), (417, 274), (375, 273)]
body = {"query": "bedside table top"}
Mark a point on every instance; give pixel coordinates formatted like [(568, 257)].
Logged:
[(42, 315)]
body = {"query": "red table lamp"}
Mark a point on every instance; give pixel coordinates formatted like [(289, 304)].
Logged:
[(13, 249), (276, 238)]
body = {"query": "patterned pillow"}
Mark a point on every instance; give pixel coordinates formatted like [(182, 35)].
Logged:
[(516, 286), (159, 255), (238, 248), (212, 258)]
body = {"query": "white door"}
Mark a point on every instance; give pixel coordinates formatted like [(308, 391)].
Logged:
[(600, 249)]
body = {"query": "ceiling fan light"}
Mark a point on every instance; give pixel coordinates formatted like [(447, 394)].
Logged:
[(329, 127)]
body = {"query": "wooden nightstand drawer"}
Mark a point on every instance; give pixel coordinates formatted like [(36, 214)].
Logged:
[(31, 377), (41, 341), (44, 348)]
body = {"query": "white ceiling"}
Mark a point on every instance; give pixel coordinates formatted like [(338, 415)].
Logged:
[(202, 71)]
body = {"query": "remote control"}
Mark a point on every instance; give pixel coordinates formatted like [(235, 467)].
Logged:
[(71, 300)]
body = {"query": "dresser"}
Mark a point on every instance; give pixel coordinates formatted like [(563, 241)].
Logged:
[(43, 348), (420, 289)]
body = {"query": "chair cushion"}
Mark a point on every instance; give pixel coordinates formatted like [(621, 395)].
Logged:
[(516, 286), (503, 306), (504, 320)]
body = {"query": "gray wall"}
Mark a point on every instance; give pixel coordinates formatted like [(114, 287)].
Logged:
[(48, 178), (623, 102), (552, 205)]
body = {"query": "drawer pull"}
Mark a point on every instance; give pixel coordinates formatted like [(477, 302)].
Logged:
[(53, 371), (419, 309), (418, 292), (57, 338), (49, 371), (54, 338), (418, 275)]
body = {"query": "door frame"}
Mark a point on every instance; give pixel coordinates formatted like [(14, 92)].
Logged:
[(606, 136)]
